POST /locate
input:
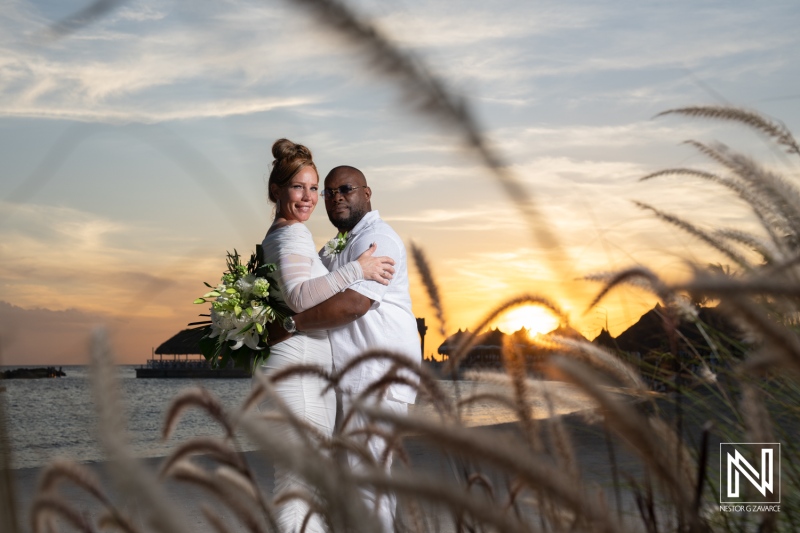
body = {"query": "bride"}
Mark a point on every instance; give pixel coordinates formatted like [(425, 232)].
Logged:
[(304, 282)]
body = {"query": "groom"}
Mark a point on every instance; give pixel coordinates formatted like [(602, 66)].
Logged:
[(365, 316)]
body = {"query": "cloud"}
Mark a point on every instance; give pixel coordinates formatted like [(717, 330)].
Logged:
[(214, 60), (63, 258), (211, 70), (180, 111), (37, 336), (437, 25)]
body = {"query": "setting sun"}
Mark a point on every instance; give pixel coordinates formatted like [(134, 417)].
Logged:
[(536, 319)]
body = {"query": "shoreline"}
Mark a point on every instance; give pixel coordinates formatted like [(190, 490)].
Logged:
[(589, 443)]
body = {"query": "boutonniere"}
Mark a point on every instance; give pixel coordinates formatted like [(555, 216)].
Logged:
[(336, 245)]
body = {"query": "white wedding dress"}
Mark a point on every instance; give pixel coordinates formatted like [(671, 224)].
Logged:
[(304, 282)]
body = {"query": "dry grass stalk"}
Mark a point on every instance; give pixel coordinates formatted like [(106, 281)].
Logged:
[(536, 473), (234, 477), (314, 464), (772, 197), (536, 388), (782, 345), (780, 194), (560, 442), (637, 432), (246, 510), (127, 474), (46, 506), (710, 176), (703, 235), (505, 401), (392, 440), (290, 495), (115, 521), (343, 505), (429, 95), (81, 19), (483, 481), (674, 450), (749, 193), (764, 247), (219, 450), (431, 288), (427, 379), (8, 504), (756, 417), (455, 498), (514, 364), (725, 286), (303, 429), (654, 283), (212, 518), (195, 397), (776, 130), (60, 470), (302, 370), (428, 383), (601, 359)]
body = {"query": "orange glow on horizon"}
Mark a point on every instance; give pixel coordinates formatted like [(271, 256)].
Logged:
[(534, 318)]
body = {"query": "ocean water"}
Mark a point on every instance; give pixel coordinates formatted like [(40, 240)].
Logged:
[(49, 418)]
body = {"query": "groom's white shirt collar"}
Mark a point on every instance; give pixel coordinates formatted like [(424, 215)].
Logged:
[(367, 220)]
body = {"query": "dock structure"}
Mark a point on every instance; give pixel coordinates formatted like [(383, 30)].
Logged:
[(184, 360)]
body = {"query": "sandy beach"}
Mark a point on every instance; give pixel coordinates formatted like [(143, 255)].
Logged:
[(597, 456), (590, 444)]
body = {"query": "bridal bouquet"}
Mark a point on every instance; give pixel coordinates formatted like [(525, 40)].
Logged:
[(242, 304)]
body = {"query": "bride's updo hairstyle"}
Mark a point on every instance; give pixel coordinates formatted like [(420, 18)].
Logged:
[(289, 159)]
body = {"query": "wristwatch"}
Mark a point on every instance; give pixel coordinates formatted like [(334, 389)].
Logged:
[(289, 325)]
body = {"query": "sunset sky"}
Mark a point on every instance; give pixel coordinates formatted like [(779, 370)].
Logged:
[(135, 150)]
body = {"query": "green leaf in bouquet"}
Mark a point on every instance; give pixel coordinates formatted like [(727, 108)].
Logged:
[(249, 311), (207, 285), (238, 311), (231, 290), (209, 347), (264, 270), (200, 301), (259, 328), (259, 359), (212, 294), (247, 328)]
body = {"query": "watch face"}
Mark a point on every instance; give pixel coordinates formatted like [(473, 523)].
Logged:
[(288, 324)]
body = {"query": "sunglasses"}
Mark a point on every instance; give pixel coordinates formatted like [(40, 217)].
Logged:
[(344, 190)]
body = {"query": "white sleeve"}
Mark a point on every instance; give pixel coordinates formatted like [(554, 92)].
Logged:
[(301, 291)]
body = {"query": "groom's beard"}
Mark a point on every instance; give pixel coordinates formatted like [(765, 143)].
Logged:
[(348, 223)]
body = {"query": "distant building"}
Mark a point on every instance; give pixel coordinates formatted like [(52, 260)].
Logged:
[(185, 360), (487, 351)]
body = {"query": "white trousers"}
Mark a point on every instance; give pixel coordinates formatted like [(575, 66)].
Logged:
[(384, 505), (303, 396)]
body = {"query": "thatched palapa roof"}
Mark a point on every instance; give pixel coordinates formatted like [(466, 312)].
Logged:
[(186, 342)]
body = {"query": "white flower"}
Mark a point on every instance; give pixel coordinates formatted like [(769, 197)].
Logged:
[(335, 245), (245, 284)]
